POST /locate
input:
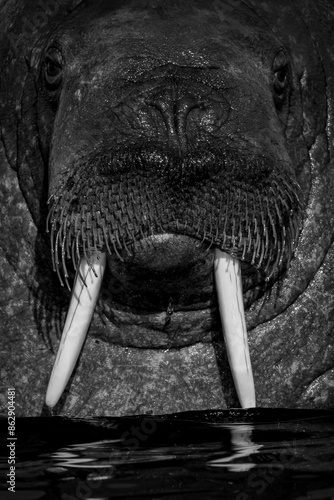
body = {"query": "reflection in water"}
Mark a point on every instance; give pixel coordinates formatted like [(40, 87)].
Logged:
[(242, 446), (236, 454)]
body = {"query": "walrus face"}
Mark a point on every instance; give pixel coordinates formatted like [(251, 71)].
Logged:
[(167, 152)]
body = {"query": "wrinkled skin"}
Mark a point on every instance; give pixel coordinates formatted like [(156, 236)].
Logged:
[(155, 84)]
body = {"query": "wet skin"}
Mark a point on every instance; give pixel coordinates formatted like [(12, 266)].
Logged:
[(165, 132), (161, 135)]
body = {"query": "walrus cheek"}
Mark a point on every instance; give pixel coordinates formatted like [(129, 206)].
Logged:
[(227, 272)]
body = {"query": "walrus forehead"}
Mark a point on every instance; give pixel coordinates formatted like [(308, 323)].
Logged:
[(155, 34)]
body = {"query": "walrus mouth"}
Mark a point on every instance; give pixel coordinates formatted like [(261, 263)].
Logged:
[(246, 209)]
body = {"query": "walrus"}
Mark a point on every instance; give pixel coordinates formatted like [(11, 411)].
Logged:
[(167, 183)]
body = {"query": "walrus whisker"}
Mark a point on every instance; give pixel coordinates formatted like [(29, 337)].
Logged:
[(64, 268), (211, 242), (117, 239), (85, 250), (204, 236), (67, 236), (261, 255), (244, 249), (265, 231), (278, 254), (63, 210), (57, 244), (106, 239), (77, 245), (52, 247), (100, 238), (249, 239), (74, 262), (255, 243), (90, 247), (246, 209), (289, 254), (82, 230), (59, 275), (126, 248), (240, 238), (90, 244), (267, 266), (93, 234), (282, 252), (225, 219), (116, 251), (256, 228), (67, 283)]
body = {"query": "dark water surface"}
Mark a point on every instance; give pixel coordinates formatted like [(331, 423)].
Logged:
[(230, 454)]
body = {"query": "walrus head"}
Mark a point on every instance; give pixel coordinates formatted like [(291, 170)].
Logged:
[(169, 173)]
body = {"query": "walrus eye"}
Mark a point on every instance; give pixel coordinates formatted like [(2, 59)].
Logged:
[(280, 77), (53, 69)]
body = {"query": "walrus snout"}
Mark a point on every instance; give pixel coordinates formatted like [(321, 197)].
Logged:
[(248, 207)]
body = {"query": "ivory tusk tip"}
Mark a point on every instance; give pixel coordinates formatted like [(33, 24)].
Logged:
[(227, 272), (51, 400), (80, 312)]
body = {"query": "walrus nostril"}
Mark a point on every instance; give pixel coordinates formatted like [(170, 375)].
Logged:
[(183, 106), (174, 111)]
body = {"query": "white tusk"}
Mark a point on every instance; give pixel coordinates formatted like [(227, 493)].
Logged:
[(227, 273), (85, 293)]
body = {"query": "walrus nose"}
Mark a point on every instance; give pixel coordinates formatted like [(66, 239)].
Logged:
[(175, 111), (188, 116)]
